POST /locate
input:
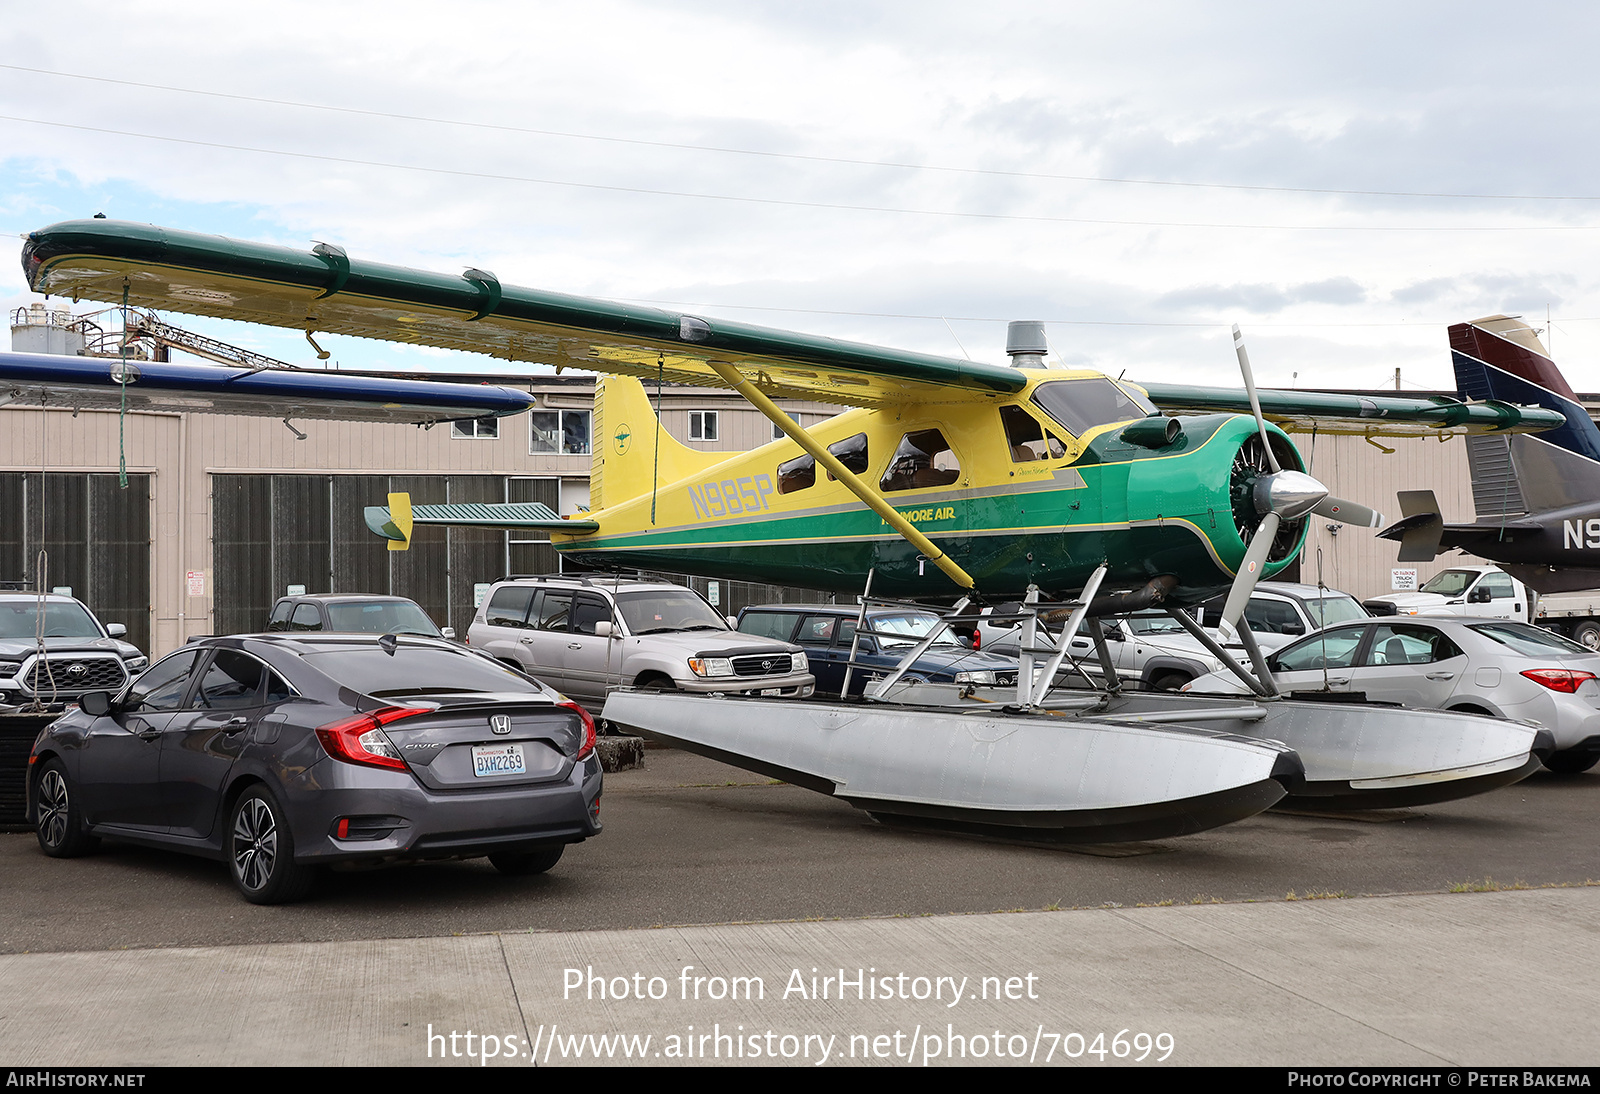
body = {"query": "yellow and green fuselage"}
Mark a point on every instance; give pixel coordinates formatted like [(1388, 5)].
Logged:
[(1008, 522)]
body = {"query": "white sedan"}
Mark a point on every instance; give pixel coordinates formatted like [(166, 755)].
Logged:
[(1477, 666)]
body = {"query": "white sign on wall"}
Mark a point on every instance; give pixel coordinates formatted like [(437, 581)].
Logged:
[(480, 590), (197, 583), (1403, 581), (714, 593)]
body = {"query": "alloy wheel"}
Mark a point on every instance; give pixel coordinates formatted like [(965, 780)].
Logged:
[(53, 808), (255, 844)]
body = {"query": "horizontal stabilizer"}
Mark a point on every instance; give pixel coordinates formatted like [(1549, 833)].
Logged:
[(512, 514), (1419, 528)]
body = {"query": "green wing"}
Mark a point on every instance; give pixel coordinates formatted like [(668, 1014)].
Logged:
[(323, 289), (1361, 415)]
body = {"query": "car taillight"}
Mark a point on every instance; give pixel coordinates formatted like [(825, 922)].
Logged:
[(977, 639), (588, 731), (360, 739), (1563, 680)]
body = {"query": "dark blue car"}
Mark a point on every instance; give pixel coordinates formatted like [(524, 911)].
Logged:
[(826, 631)]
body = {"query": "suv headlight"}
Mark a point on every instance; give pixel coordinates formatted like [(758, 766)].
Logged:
[(133, 664), (984, 677), (10, 668), (798, 663), (711, 666)]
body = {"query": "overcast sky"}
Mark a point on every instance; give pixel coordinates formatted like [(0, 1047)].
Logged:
[(1342, 184)]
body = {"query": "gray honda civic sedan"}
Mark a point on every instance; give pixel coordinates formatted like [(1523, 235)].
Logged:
[(281, 753)]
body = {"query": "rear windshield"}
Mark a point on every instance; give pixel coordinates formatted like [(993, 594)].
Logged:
[(1534, 641), (417, 670)]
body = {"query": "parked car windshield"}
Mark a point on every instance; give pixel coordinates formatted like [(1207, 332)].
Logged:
[(1334, 608), (1154, 624), (907, 629), (657, 611), (1450, 583), (62, 619), (1534, 641), (416, 670), (380, 617)]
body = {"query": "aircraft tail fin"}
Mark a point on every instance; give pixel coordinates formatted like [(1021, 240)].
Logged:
[(631, 453), (1501, 357)]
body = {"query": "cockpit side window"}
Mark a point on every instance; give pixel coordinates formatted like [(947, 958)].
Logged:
[(924, 459), (1027, 438), (1080, 405)]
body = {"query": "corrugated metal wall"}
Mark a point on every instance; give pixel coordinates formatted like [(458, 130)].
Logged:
[(273, 531), (96, 536)]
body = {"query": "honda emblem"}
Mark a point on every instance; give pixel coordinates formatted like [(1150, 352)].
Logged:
[(500, 723)]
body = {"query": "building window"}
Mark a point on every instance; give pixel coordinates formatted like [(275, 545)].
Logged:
[(476, 427), (702, 425), (560, 431)]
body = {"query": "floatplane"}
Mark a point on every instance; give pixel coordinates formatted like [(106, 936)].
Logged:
[(946, 481)]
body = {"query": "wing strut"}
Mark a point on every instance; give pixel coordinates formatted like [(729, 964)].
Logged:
[(870, 497)]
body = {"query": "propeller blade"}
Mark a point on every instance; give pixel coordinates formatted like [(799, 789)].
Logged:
[(1348, 512), (1250, 390), (1244, 583)]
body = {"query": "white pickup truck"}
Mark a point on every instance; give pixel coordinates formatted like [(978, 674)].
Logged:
[(1489, 592), (1485, 592)]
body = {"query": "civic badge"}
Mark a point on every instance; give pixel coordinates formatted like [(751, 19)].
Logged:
[(500, 723)]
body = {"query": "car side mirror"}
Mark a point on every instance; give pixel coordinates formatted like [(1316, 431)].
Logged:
[(448, 632), (1292, 628), (603, 628), (1478, 596), (733, 622), (95, 703), (116, 630)]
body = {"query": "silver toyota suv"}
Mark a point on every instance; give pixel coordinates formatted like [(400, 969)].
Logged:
[(79, 654), (584, 635)]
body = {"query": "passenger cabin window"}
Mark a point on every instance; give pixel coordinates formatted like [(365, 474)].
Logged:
[(231, 682), (1409, 645), (509, 606), (553, 611), (1027, 437), (852, 452), (924, 459), (588, 610), (1080, 405), (280, 616), (306, 617), (796, 474), (163, 684)]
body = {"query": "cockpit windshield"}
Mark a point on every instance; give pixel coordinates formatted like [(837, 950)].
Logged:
[(1080, 405)]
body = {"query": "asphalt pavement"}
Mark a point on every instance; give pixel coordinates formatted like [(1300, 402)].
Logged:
[(1462, 933)]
